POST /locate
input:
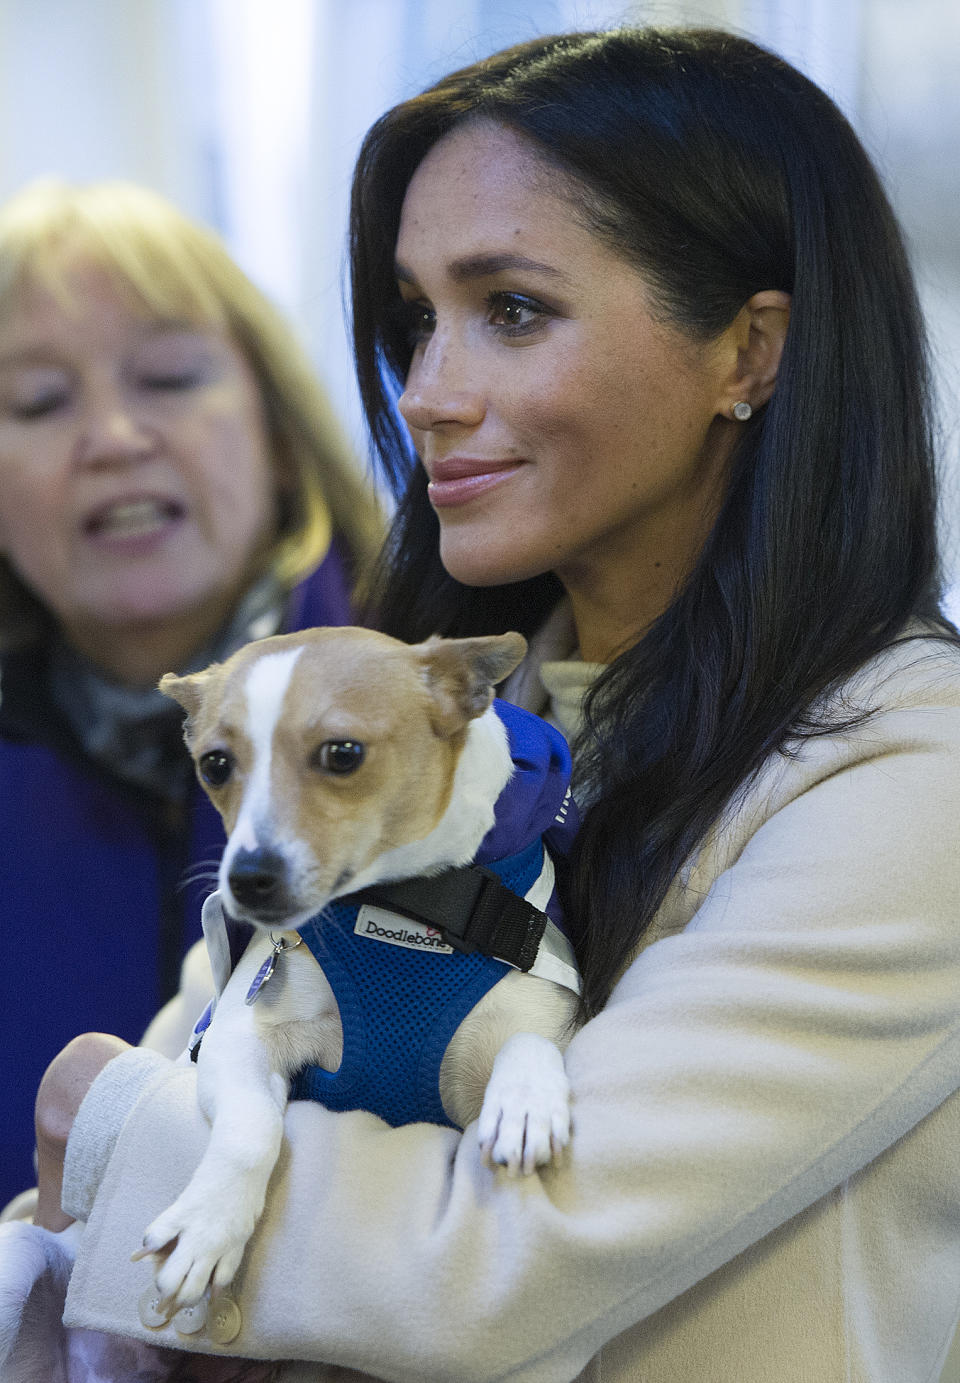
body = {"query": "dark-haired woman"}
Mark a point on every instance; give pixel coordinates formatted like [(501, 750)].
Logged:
[(660, 358)]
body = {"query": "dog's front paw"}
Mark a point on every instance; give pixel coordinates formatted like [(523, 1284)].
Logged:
[(525, 1119), (199, 1240)]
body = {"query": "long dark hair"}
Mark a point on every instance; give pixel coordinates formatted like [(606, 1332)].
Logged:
[(718, 171)]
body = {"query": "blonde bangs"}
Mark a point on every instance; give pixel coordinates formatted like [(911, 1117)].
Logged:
[(172, 268)]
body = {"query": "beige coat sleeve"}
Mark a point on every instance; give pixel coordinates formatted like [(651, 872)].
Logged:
[(802, 1021)]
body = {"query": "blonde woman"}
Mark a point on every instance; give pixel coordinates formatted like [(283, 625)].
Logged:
[(172, 484)]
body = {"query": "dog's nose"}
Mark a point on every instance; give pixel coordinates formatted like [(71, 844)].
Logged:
[(257, 880)]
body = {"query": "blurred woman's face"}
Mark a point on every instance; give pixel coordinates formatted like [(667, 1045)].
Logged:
[(561, 426), (136, 481)]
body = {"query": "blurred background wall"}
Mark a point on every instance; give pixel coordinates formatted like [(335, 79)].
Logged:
[(248, 113)]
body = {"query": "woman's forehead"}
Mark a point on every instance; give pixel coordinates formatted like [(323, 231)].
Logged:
[(480, 157), (84, 310), (483, 202), (483, 193)]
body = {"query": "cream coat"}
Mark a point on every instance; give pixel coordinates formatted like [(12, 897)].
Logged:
[(764, 1181)]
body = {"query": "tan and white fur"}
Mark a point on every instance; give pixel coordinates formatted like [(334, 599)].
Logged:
[(421, 797)]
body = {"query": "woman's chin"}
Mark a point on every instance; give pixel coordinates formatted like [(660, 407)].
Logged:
[(135, 614), (487, 564)]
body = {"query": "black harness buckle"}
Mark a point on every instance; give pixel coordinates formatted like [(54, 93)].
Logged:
[(473, 909)]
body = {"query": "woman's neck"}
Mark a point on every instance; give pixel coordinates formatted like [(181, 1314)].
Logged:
[(611, 612)]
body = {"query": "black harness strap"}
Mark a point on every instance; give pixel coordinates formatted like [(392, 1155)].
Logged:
[(473, 909)]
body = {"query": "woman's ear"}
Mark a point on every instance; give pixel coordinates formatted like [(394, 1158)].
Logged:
[(758, 333)]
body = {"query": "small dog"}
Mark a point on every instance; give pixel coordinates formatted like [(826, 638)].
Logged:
[(340, 760)]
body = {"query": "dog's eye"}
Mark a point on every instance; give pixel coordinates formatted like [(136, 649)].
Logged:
[(339, 756), (215, 767)]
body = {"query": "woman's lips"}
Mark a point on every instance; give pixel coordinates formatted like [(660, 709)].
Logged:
[(133, 522), (459, 479)]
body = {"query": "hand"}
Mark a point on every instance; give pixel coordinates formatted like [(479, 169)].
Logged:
[(65, 1082)]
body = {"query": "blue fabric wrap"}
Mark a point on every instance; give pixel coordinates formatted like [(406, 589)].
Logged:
[(87, 876), (537, 800), (399, 1009)]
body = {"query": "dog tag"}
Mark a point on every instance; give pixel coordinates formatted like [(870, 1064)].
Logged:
[(266, 970), (263, 975)]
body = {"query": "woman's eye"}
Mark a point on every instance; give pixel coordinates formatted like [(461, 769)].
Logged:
[(418, 319), (514, 313), (28, 409), (180, 380), (339, 756), (215, 767)]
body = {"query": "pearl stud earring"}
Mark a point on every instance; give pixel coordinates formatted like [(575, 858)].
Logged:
[(742, 411)]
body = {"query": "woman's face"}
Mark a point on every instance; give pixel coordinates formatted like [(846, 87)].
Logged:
[(562, 428), (136, 482)]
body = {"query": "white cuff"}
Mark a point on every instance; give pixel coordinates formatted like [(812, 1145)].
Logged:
[(99, 1120)]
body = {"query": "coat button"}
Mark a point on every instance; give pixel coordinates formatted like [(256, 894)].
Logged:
[(149, 1309), (224, 1319), (190, 1319)]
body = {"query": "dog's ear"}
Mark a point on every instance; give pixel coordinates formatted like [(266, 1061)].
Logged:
[(462, 673), (188, 691)]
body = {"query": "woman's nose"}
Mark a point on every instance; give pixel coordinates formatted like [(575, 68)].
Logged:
[(440, 392), (111, 431)]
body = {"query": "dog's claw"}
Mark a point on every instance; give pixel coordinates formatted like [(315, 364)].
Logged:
[(152, 1248)]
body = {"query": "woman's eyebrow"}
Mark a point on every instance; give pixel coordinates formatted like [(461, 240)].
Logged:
[(31, 357), (486, 266), (43, 353)]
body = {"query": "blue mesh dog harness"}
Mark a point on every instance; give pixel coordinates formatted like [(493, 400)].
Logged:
[(399, 1007)]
